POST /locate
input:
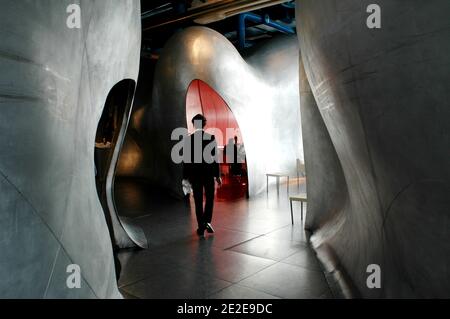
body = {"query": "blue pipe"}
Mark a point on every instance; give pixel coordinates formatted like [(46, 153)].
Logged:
[(260, 20), (289, 5)]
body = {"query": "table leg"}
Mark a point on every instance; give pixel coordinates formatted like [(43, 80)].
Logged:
[(278, 186), (292, 214), (288, 185), (267, 184), (302, 211)]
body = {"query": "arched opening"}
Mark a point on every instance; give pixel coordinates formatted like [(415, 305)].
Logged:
[(202, 99), (108, 142)]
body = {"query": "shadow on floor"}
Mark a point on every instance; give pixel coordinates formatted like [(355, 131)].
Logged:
[(255, 253)]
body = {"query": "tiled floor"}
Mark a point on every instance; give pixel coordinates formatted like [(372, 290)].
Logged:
[(255, 252)]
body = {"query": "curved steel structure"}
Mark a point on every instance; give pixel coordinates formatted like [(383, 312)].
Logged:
[(262, 92), (375, 107), (53, 86), (374, 118)]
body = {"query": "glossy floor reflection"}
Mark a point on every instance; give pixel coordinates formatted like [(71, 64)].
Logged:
[(255, 252)]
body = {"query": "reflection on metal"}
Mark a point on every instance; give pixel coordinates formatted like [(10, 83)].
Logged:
[(109, 138), (377, 142), (262, 92), (156, 11), (133, 232), (54, 82)]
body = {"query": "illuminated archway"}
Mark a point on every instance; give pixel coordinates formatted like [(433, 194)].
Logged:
[(221, 122)]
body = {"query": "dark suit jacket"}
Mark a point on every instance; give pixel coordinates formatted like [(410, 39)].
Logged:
[(198, 163)]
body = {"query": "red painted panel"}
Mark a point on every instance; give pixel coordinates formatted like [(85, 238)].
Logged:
[(201, 98)]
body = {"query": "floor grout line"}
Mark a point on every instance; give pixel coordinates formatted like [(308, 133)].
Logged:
[(245, 241), (180, 253), (251, 288)]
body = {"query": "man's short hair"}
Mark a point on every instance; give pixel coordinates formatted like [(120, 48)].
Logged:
[(199, 118)]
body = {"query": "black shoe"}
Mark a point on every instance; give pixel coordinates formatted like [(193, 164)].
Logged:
[(209, 228), (201, 232)]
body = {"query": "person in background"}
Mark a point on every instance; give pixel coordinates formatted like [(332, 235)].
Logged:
[(234, 156)]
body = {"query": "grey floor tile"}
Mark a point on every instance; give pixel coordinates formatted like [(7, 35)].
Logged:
[(257, 226), (270, 248), (137, 265), (241, 292), (291, 233), (225, 238), (255, 252), (288, 281), (226, 265), (304, 258), (176, 284)]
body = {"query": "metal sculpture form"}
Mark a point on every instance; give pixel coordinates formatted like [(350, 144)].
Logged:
[(54, 82), (262, 92), (375, 125)]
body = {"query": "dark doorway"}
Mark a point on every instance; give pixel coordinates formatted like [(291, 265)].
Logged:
[(108, 142)]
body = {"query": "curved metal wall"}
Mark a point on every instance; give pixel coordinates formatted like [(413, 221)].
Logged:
[(53, 86), (262, 92), (382, 96)]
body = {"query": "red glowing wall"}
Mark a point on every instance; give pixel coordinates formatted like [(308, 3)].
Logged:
[(202, 99)]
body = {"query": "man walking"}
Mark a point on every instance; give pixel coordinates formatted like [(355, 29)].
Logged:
[(201, 169)]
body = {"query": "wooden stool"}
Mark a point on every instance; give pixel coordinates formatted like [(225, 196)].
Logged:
[(297, 198)]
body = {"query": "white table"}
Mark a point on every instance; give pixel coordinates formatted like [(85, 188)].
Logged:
[(297, 198), (278, 176)]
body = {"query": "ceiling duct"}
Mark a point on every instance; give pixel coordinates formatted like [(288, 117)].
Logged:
[(227, 13), (216, 11)]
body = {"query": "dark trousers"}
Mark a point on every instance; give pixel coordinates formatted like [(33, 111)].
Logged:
[(205, 184)]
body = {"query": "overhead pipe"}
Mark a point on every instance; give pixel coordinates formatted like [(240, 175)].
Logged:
[(216, 11), (224, 14), (289, 5), (260, 20)]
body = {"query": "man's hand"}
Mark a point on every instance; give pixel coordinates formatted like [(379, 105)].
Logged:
[(219, 181)]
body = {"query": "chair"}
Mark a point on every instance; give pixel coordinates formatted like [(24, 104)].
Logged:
[(297, 198)]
